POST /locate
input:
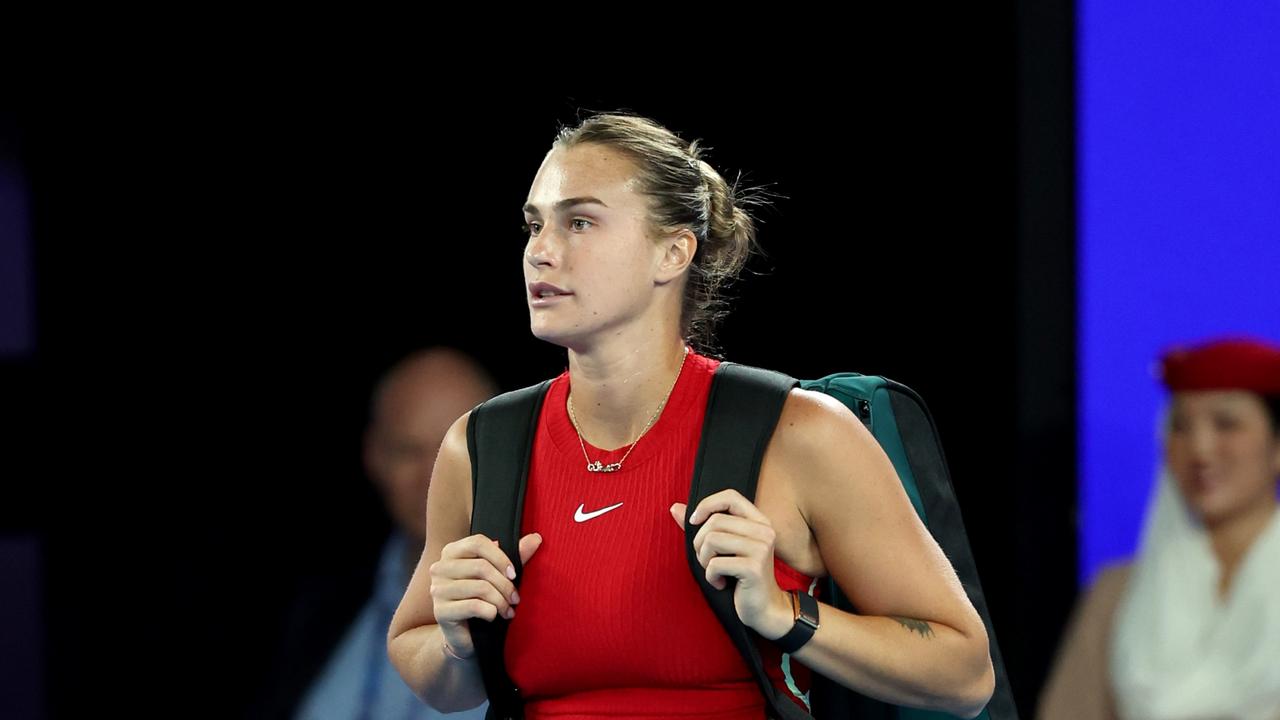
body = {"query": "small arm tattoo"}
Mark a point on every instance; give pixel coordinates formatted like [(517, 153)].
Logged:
[(914, 625)]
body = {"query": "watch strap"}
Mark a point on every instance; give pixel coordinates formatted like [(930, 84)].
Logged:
[(805, 607)]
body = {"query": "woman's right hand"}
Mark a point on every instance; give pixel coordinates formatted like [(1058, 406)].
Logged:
[(474, 578)]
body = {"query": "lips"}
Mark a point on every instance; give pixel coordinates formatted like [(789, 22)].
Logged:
[(1206, 481), (546, 291)]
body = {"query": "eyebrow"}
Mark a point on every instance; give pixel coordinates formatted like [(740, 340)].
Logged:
[(566, 203)]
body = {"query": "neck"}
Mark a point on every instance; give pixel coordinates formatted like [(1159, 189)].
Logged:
[(1232, 537), (617, 390)]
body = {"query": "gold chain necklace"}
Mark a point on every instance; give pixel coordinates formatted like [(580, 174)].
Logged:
[(597, 466)]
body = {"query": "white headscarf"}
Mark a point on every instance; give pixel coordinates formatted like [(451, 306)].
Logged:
[(1178, 652)]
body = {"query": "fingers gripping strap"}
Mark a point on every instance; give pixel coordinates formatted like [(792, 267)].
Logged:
[(500, 435), (742, 411)]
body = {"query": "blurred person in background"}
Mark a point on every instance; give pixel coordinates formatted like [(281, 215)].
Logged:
[(412, 407), (1191, 627)]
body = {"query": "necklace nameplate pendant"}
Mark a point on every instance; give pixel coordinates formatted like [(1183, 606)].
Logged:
[(598, 467)]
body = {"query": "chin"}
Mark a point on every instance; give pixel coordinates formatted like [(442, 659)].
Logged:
[(1215, 510), (547, 336), (553, 335)]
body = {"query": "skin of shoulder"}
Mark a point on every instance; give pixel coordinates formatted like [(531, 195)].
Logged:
[(1114, 576), (1077, 684), (448, 519), (871, 541), (1108, 587)]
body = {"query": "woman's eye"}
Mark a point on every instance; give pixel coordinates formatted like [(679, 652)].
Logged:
[(530, 228), (1226, 423), (580, 220)]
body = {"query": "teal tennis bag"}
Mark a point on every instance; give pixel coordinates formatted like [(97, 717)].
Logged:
[(898, 418), (742, 410)]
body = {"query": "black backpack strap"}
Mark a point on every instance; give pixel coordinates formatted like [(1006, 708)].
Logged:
[(500, 440), (742, 411)]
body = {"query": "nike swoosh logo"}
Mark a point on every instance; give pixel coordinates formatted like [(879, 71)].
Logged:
[(580, 516)]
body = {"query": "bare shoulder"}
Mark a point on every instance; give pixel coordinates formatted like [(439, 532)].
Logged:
[(818, 453), (452, 472), (810, 405), (872, 542), (1113, 577), (817, 430), (809, 416), (1103, 595)]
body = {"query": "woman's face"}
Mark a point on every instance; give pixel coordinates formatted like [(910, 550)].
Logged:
[(1223, 452), (588, 238)]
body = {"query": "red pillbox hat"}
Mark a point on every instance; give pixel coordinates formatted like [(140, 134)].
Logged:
[(1232, 363)]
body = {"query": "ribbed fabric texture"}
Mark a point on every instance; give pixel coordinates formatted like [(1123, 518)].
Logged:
[(611, 623)]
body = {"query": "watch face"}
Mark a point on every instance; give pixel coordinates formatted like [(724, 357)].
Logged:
[(808, 610)]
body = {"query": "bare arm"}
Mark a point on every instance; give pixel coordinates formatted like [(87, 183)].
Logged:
[(918, 639), (919, 642), (457, 578)]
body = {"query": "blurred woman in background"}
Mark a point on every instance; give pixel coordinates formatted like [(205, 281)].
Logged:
[(1191, 628)]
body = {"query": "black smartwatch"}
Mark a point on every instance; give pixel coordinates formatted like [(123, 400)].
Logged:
[(805, 608)]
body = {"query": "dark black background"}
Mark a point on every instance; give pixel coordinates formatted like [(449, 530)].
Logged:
[(222, 272)]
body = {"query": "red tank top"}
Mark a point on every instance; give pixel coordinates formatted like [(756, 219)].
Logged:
[(611, 622)]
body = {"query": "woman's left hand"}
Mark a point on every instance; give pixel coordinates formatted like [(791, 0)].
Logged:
[(736, 540)]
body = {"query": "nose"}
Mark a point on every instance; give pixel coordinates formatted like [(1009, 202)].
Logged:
[(1202, 442), (542, 249)]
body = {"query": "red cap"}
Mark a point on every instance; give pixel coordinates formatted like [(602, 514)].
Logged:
[(1226, 364)]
